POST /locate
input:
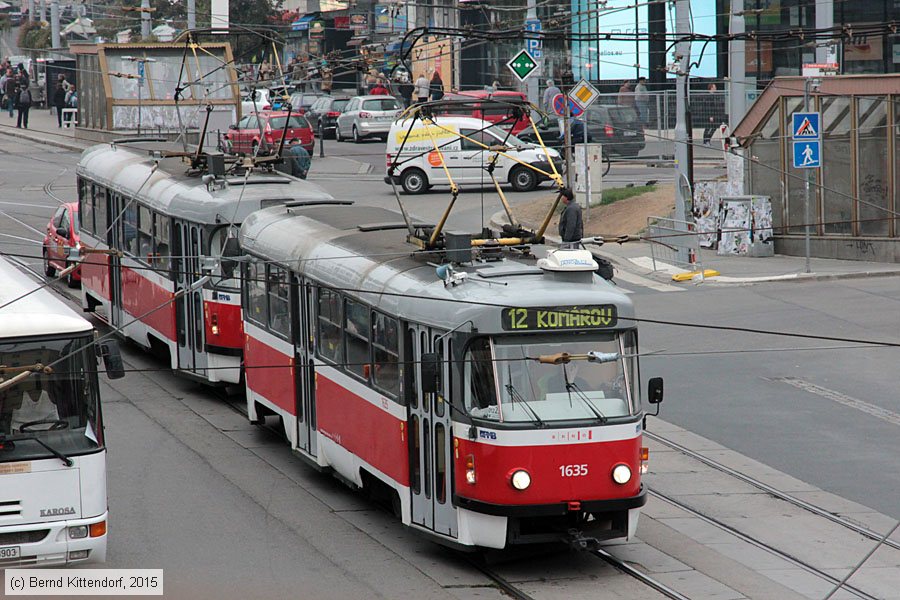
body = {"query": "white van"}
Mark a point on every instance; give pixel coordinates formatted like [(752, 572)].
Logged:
[(418, 165)]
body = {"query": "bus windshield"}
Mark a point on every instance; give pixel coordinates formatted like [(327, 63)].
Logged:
[(60, 408), (505, 384)]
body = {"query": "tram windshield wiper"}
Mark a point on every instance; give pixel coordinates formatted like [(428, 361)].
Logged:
[(21, 438), (518, 397), (571, 385)]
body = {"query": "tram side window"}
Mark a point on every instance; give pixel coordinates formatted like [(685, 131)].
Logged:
[(329, 325), (356, 338), (129, 227), (145, 233), (480, 388), (85, 206), (279, 315), (162, 251), (386, 350), (256, 292), (100, 210)]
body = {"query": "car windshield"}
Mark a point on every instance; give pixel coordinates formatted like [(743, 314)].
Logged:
[(501, 135), (381, 104), (530, 391), (60, 408), (297, 122)]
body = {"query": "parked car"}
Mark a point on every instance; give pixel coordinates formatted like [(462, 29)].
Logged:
[(301, 101), (261, 98), (61, 238), (495, 107), (419, 166), (245, 136), (367, 116), (324, 112), (618, 128)]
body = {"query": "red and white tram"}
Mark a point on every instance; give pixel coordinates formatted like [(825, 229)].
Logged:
[(146, 226), (496, 404)]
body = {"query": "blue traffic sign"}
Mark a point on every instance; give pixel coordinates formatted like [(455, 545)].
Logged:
[(805, 126), (534, 46), (559, 106), (807, 154)]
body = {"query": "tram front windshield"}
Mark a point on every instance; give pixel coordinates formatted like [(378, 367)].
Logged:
[(505, 383), (60, 408)]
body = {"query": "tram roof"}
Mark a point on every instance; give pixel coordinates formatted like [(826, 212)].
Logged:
[(39, 313), (173, 191), (364, 248)]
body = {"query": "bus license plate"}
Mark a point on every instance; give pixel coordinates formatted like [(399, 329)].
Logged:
[(9, 552)]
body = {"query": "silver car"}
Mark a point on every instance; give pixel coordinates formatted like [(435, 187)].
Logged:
[(367, 116)]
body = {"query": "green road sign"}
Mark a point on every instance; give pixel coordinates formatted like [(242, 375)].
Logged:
[(522, 65)]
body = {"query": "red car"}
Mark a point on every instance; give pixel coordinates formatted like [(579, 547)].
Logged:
[(61, 238), (245, 137)]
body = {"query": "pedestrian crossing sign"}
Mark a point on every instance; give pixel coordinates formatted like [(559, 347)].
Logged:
[(806, 126), (807, 154)]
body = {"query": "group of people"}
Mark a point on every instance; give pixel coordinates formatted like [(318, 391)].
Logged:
[(635, 94), (14, 85), (64, 96), (411, 92)]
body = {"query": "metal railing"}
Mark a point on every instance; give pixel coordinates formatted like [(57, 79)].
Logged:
[(672, 243)]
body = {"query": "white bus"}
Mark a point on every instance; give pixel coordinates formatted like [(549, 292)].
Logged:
[(53, 508)]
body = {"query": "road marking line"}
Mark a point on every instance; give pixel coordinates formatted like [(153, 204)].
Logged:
[(860, 405), (643, 281)]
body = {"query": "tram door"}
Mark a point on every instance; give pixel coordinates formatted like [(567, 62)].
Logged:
[(430, 434), (304, 375), (188, 248), (116, 239)]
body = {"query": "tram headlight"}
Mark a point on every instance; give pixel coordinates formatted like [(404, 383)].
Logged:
[(520, 479), (77, 532), (621, 474)]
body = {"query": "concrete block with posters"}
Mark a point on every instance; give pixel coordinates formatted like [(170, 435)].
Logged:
[(746, 226)]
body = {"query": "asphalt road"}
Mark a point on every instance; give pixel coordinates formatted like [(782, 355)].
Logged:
[(228, 512)]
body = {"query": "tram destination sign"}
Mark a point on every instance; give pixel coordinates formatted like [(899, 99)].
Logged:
[(559, 317)]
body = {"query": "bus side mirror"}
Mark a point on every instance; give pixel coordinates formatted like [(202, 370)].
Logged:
[(655, 390), (231, 249), (112, 359), (431, 372)]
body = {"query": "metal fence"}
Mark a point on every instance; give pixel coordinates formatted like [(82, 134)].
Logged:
[(673, 243)]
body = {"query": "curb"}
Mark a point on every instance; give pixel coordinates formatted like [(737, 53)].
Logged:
[(18, 133), (620, 262)]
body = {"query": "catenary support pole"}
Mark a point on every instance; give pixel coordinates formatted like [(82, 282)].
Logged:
[(192, 14), (145, 19), (809, 173), (54, 24), (684, 155)]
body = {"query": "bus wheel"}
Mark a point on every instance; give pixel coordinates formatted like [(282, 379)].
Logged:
[(414, 181)]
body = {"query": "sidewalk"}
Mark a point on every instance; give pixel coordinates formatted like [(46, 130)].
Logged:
[(43, 129), (636, 258)]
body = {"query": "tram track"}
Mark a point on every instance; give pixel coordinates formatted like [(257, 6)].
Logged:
[(790, 499)]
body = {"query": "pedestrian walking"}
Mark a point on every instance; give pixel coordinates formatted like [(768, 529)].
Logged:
[(59, 101), (300, 159), (626, 95), (405, 88), (436, 88), (379, 90), (23, 105), (571, 228), (327, 80), (642, 100), (421, 89), (10, 89), (550, 93)]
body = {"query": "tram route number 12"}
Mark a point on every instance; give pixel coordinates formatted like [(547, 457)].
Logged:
[(560, 317), (573, 470)]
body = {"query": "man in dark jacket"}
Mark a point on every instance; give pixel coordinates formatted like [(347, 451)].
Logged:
[(10, 91), (59, 101), (571, 228), (300, 159), (23, 105)]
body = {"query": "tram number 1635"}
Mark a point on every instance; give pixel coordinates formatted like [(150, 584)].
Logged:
[(573, 470)]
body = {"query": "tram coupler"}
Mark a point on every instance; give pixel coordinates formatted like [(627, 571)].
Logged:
[(578, 541)]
